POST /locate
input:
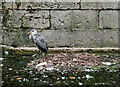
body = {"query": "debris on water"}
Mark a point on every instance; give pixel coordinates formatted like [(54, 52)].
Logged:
[(66, 61), (31, 72), (57, 65), (1, 59), (45, 76), (1, 64), (19, 78), (34, 55), (100, 83), (58, 78), (36, 78), (10, 68), (33, 62), (63, 77), (41, 64), (6, 52), (107, 55), (29, 64), (11, 79), (51, 84), (24, 79), (72, 77), (79, 77), (89, 77), (88, 70), (74, 59), (107, 63), (54, 59), (45, 82), (50, 68), (85, 52), (54, 77), (79, 83)]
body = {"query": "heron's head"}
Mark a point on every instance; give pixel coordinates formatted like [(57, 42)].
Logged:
[(33, 31)]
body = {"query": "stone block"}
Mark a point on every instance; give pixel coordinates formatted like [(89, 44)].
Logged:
[(1, 4), (14, 18), (94, 38), (39, 19), (86, 38), (109, 19), (57, 38), (9, 5), (62, 38), (89, 5), (74, 19), (1, 17), (16, 37), (0, 35), (110, 38), (108, 5), (55, 4), (99, 5)]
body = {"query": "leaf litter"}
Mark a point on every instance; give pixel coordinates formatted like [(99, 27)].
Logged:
[(67, 61)]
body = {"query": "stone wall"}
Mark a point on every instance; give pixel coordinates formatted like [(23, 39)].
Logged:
[(67, 23)]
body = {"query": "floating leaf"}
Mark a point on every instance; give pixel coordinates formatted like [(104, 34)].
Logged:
[(72, 77), (107, 63), (76, 72), (28, 64), (93, 54), (54, 77), (1, 64), (89, 77), (63, 77), (57, 64), (1, 58), (19, 78), (74, 59)]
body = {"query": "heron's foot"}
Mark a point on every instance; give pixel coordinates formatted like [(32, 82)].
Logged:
[(44, 54)]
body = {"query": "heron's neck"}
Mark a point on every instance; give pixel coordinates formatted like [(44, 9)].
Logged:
[(32, 37)]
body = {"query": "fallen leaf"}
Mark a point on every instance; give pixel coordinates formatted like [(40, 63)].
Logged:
[(93, 54), (107, 63), (76, 72), (54, 77), (1, 64), (29, 64), (19, 78), (71, 77), (57, 64)]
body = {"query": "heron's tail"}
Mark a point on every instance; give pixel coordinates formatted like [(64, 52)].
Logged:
[(44, 50)]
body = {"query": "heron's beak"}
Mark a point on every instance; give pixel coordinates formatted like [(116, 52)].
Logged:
[(29, 32), (40, 30)]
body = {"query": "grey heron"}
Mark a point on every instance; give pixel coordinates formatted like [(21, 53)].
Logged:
[(38, 40)]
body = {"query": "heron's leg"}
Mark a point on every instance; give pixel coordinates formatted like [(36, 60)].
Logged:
[(46, 54), (40, 54)]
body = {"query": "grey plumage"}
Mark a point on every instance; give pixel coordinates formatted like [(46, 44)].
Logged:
[(38, 40)]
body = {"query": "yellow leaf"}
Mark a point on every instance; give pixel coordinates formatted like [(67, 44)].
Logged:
[(76, 72)]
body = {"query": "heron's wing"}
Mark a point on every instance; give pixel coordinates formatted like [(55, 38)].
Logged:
[(41, 43)]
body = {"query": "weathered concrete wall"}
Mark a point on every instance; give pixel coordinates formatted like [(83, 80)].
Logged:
[(78, 23)]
